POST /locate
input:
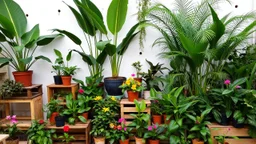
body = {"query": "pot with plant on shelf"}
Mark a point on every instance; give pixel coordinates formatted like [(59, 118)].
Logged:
[(12, 130), (156, 111), (155, 133), (58, 67), (21, 45), (52, 110), (133, 88), (10, 89)]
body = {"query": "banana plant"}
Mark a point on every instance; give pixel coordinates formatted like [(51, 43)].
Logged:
[(16, 45)]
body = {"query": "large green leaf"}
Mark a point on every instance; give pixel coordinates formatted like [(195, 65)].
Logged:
[(116, 15), (4, 60), (43, 58), (90, 60), (2, 37), (102, 57), (31, 36), (26, 60), (6, 33), (110, 49), (45, 40), (93, 7), (13, 12), (7, 25), (57, 53), (71, 36)]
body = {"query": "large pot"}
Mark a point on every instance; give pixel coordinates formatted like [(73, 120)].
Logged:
[(57, 80), (23, 77), (140, 140), (66, 80), (112, 85), (132, 96), (99, 140)]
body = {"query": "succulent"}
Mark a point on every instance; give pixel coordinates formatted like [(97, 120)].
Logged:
[(9, 88)]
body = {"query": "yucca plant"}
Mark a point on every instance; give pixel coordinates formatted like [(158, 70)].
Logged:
[(197, 42)]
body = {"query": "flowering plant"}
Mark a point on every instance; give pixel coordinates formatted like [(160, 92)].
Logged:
[(66, 138), (155, 132), (12, 129), (131, 84), (137, 67)]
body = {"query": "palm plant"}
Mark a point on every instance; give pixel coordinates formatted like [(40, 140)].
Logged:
[(197, 42)]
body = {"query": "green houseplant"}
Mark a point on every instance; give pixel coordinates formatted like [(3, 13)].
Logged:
[(52, 110), (155, 133), (65, 138), (10, 88), (12, 130), (21, 45)]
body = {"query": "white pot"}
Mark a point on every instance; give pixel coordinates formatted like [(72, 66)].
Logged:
[(146, 94)]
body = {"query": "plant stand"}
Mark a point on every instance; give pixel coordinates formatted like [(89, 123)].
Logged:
[(220, 130), (128, 108)]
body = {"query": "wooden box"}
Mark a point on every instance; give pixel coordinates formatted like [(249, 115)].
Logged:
[(241, 133), (128, 108)]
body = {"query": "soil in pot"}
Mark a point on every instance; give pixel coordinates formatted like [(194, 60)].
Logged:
[(157, 119), (23, 77), (57, 80), (132, 95), (60, 121), (112, 84), (197, 141), (99, 140), (124, 141), (52, 118), (154, 141)]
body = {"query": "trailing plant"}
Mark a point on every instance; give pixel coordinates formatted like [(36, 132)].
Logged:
[(9, 88), (21, 45)]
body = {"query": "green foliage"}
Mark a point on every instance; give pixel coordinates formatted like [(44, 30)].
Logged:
[(155, 132), (9, 88), (21, 44), (12, 130), (52, 106), (65, 138), (137, 67), (131, 85)]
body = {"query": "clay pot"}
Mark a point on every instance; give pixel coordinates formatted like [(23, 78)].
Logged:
[(23, 77), (197, 141), (154, 141), (166, 121), (139, 140), (138, 79), (124, 141), (66, 80), (157, 119), (52, 118), (99, 140), (85, 115), (132, 95)]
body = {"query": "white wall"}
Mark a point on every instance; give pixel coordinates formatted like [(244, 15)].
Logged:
[(45, 12)]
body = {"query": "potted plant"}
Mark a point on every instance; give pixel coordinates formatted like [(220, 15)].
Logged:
[(21, 45), (57, 67), (74, 110), (84, 103), (10, 88), (65, 138), (137, 67), (60, 119), (52, 110), (140, 121), (155, 133), (12, 130), (200, 133), (133, 88), (156, 111), (37, 134)]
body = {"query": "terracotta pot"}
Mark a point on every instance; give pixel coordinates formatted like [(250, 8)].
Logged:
[(85, 115), (52, 118), (197, 141), (140, 140), (166, 121), (124, 142), (154, 141), (66, 80), (12, 141), (99, 140), (132, 95), (138, 79), (23, 77), (157, 119)]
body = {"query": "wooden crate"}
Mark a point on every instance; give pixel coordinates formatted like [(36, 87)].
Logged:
[(241, 133), (128, 108), (51, 89), (35, 103)]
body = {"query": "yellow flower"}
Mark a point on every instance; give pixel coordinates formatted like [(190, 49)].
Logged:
[(134, 87), (111, 125), (113, 98), (138, 83), (128, 82), (98, 98), (105, 109)]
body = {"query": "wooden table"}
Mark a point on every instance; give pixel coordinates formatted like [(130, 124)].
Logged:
[(3, 138)]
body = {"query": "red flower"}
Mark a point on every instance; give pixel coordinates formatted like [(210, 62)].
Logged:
[(66, 128), (41, 121), (81, 91)]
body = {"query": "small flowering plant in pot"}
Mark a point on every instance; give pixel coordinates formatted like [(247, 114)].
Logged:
[(133, 88), (137, 65), (65, 138), (12, 130), (155, 133)]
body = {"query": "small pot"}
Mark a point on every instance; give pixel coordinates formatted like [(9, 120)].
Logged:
[(197, 141), (60, 121), (236, 124), (12, 141), (154, 141), (146, 94), (157, 119), (124, 141), (85, 115), (66, 80), (166, 121), (52, 118), (57, 80), (140, 140), (224, 119), (99, 140), (132, 95)]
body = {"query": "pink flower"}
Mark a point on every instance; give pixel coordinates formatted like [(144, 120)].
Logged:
[(150, 128), (14, 117), (228, 129), (133, 75), (81, 91), (238, 87), (119, 127), (14, 121), (125, 128), (8, 117), (121, 120), (155, 127), (227, 82)]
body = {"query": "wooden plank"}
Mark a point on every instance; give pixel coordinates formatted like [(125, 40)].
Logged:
[(126, 101), (62, 86), (78, 125), (133, 109), (241, 141)]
